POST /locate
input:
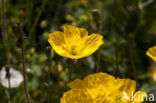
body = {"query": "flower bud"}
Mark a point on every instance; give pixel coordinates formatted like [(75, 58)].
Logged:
[(95, 15)]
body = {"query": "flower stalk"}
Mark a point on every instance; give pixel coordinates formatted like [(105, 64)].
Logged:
[(6, 45), (70, 68), (20, 43), (96, 16), (28, 100), (49, 63), (4, 35)]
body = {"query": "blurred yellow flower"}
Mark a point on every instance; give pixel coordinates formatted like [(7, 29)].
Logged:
[(74, 42), (153, 72), (152, 53), (102, 88)]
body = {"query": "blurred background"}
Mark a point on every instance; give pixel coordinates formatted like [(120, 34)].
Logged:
[(128, 28)]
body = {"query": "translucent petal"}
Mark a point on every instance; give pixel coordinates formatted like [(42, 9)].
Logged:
[(76, 84), (72, 31), (93, 42), (128, 87), (152, 53), (76, 96), (75, 39), (100, 88), (57, 41), (101, 83), (139, 97), (95, 79), (152, 72)]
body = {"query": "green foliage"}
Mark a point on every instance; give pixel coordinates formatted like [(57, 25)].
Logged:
[(128, 28)]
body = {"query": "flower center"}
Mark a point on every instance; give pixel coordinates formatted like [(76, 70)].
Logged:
[(73, 50)]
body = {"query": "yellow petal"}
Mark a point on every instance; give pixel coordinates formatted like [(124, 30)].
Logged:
[(57, 38), (76, 84), (152, 72), (93, 42), (128, 87), (139, 97), (75, 40), (95, 79), (152, 53), (76, 96), (57, 41), (94, 86), (100, 83), (154, 75), (72, 31)]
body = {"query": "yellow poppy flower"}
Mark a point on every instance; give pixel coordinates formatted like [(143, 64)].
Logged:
[(152, 53), (102, 88), (74, 42)]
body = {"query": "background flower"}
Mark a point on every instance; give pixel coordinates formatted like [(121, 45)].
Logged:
[(16, 78), (152, 53), (102, 88), (152, 72)]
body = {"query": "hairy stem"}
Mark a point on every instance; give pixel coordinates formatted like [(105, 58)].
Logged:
[(5, 41), (132, 60), (28, 100), (70, 68), (99, 53), (4, 35), (49, 85)]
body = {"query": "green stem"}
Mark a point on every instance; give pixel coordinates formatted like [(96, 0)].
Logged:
[(132, 60), (5, 41), (4, 35), (7, 94), (37, 17), (50, 91), (70, 68), (28, 100), (98, 62), (99, 53), (58, 7)]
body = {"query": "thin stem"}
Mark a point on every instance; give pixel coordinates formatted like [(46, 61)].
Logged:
[(132, 60), (58, 7), (7, 94), (7, 69), (49, 63), (70, 73), (99, 53), (9, 88), (49, 73), (5, 41), (28, 100), (4, 35), (117, 71), (38, 17), (96, 16), (70, 68), (116, 61), (98, 62), (29, 10)]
